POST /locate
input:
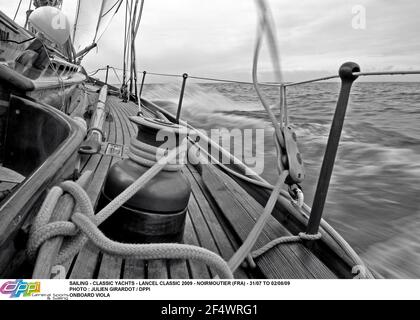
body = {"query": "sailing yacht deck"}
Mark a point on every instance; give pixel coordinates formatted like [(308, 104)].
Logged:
[(220, 217)]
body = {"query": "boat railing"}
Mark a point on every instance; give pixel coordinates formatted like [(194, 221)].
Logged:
[(348, 73), (282, 86)]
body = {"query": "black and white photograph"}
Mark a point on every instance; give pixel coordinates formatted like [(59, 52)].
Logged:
[(209, 150)]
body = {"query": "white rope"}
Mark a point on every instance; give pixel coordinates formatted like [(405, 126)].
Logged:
[(266, 24), (244, 251), (147, 155), (264, 27), (151, 251), (279, 138), (283, 240), (76, 243), (84, 226), (347, 249)]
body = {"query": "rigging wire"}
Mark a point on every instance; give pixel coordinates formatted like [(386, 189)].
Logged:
[(118, 2), (133, 16), (130, 4), (60, 79), (106, 27), (166, 75), (133, 83), (271, 84), (27, 13), (125, 42), (98, 33), (139, 18), (99, 20), (17, 10), (116, 74)]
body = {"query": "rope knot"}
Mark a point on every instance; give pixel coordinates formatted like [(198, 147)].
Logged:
[(43, 230), (285, 240), (84, 226)]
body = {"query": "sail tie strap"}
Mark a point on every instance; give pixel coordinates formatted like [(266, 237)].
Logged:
[(84, 226)]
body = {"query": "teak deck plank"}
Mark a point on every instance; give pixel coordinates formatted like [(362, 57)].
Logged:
[(204, 215), (134, 269), (86, 264), (220, 216), (129, 111), (107, 266), (203, 233), (284, 261), (92, 164), (178, 269), (99, 164), (111, 266), (157, 269), (198, 270)]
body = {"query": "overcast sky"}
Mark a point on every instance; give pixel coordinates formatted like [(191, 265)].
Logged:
[(216, 37)]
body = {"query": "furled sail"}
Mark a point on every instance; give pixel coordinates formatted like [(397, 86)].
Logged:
[(92, 17)]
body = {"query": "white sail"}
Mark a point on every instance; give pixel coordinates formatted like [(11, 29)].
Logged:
[(52, 3), (92, 17)]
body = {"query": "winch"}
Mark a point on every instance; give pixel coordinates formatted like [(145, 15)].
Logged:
[(157, 212)]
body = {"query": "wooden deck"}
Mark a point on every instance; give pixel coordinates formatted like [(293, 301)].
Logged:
[(220, 216)]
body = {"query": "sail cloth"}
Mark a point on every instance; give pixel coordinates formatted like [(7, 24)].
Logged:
[(92, 17), (52, 3)]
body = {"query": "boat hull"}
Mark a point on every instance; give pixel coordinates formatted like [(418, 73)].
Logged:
[(41, 143)]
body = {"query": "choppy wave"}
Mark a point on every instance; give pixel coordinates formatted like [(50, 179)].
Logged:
[(373, 199)]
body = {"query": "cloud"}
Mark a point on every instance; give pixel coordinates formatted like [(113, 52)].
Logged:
[(216, 37)]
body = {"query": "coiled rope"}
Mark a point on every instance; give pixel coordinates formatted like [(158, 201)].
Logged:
[(84, 225), (147, 155)]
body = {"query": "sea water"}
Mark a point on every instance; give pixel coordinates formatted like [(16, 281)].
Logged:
[(374, 194)]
